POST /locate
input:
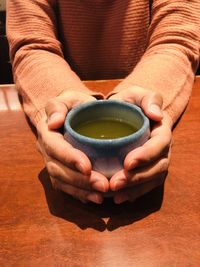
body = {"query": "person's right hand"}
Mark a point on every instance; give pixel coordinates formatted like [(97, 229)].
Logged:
[(70, 169)]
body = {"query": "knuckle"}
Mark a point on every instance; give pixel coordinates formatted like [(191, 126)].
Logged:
[(50, 104), (67, 158), (138, 178), (51, 168), (56, 105), (148, 156), (164, 165), (150, 97), (157, 96)]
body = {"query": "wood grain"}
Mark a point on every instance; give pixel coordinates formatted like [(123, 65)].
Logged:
[(43, 227)]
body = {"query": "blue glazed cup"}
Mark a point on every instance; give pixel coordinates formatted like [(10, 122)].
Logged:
[(107, 155)]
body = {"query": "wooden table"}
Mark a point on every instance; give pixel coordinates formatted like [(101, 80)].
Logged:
[(43, 227)]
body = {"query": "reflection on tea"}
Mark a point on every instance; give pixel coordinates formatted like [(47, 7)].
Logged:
[(105, 128)]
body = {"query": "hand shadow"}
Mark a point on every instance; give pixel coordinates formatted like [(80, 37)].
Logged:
[(99, 217)]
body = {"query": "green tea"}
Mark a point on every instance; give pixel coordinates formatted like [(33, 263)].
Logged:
[(105, 128)]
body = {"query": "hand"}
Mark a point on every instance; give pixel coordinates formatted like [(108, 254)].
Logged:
[(144, 167), (69, 168)]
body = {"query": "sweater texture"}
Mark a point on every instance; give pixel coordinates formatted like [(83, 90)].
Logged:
[(54, 45)]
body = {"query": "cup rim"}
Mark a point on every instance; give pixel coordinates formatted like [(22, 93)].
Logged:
[(105, 142)]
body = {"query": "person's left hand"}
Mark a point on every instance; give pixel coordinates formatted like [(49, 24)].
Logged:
[(144, 167)]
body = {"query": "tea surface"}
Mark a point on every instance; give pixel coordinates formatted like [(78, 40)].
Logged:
[(105, 128)]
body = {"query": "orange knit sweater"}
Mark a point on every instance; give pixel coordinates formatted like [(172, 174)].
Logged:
[(56, 44)]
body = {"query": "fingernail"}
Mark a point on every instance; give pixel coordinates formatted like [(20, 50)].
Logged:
[(155, 109), (119, 184), (120, 198), (99, 186), (94, 197), (54, 116)]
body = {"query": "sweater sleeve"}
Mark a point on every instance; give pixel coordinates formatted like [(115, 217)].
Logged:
[(40, 71), (169, 64)]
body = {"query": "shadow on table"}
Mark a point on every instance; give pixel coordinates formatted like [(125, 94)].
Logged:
[(100, 217)]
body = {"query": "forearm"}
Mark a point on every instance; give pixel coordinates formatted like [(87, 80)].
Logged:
[(39, 68), (164, 75), (171, 58), (41, 76)]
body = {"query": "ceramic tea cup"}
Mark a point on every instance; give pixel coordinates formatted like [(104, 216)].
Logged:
[(106, 151)]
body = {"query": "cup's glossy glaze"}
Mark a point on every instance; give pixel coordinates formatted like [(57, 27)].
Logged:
[(107, 155)]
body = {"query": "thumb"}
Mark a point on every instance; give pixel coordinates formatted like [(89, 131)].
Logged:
[(150, 102), (56, 113), (152, 106)]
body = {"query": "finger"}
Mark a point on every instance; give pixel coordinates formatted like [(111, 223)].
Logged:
[(56, 113), (81, 194), (92, 181), (74, 99), (58, 107), (131, 194), (151, 102), (157, 146), (123, 179), (152, 106), (56, 147)]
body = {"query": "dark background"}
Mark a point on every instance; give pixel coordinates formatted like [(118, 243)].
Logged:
[(5, 66)]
